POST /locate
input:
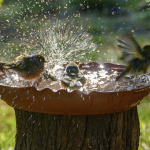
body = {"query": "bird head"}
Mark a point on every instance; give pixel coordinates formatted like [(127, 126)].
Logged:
[(41, 59), (72, 69)]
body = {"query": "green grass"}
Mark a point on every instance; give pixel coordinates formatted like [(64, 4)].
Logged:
[(7, 126), (144, 117)]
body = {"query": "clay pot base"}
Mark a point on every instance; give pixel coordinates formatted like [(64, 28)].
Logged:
[(78, 102)]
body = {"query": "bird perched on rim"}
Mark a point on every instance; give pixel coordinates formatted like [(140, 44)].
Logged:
[(137, 58), (29, 67), (72, 78)]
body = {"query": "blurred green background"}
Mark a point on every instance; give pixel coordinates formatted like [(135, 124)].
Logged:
[(103, 19)]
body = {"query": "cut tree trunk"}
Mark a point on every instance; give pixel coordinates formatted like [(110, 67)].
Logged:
[(117, 131)]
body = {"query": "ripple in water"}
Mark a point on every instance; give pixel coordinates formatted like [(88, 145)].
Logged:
[(102, 80)]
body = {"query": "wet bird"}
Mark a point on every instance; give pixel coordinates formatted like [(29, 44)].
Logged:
[(29, 67), (72, 78), (137, 58)]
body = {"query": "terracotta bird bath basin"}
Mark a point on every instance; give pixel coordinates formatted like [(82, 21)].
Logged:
[(94, 117), (77, 102)]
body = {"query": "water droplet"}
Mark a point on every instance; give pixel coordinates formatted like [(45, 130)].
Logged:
[(113, 12), (30, 117), (101, 66), (86, 66), (15, 97)]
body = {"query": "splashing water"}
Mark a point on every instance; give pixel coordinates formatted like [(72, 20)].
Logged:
[(60, 42)]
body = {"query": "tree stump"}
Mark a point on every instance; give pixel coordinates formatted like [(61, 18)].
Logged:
[(38, 131)]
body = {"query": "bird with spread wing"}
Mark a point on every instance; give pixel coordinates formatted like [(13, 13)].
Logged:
[(72, 78), (137, 58)]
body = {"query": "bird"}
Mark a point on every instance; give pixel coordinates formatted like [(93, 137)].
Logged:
[(72, 78), (137, 58), (29, 67)]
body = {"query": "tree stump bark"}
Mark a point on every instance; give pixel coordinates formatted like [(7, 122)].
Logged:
[(37, 131)]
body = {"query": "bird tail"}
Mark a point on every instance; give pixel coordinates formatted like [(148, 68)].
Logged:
[(10, 66), (129, 48)]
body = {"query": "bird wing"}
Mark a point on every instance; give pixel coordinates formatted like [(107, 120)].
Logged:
[(19, 65), (75, 83), (136, 66), (10, 66), (66, 80), (20, 58), (27, 63), (129, 47)]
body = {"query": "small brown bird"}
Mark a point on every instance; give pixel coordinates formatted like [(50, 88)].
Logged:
[(29, 67), (137, 58), (72, 78)]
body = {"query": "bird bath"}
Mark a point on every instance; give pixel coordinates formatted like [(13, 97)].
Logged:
[(78, 102), (93, 110)]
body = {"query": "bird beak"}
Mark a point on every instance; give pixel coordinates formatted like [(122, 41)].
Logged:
[(45, 61)]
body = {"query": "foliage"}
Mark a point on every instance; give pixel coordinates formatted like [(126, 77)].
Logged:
[(7, 126)]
